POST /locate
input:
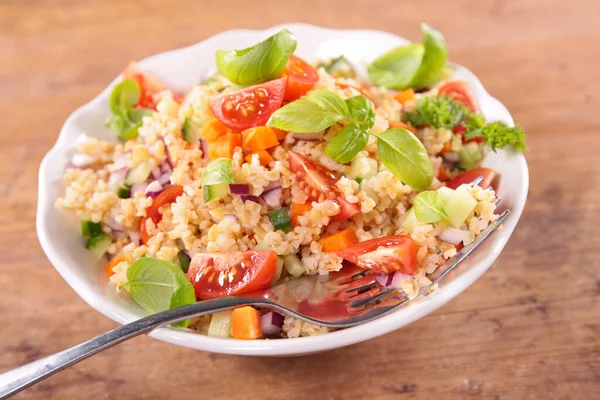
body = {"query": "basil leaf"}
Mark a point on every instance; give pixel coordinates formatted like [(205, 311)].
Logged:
[(130, 130), (434, 58), (259, 63), (429, 207), (124, 96), (405, 156), (396, 68), (158, 285), (362, 111), (347, 143), (136, 114), (329, 101), (303, 115), (416, 65), (217, 172)]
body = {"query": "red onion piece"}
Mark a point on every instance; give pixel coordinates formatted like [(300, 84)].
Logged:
[(134, 236), (114, 225), (165, 178), (393, 280), (307, 136), (453, 235), (153, 189), (272, 197), (116, 178), (121, 160), (272, 185), (246, 197), (137, 187), (81, 160), (204, 148), (156, 173), (168, 153), (271, 323), (239, 188)]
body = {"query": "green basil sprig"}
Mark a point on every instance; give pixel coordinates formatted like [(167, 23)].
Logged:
[(416, 65), (217, 172), (347, 143), (158, 285), (259, 63), (125, 118), (429, 207)]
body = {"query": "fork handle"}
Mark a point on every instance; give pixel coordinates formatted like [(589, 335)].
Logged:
[(13, 381)]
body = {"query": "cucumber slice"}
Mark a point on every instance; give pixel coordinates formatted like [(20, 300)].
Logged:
[(262, 246), (278, 271), (409, 221), (460, 206), (470, 154), (445, 193), (293, 265), (281, 220), (138, 174), (215, 192), (90, 229), (190, 132), (363, 168), (220, 324), (364, 186), (123, 192), (97, 245), (184, 260)]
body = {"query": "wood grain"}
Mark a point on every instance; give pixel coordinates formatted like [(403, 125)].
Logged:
[(529, 329)]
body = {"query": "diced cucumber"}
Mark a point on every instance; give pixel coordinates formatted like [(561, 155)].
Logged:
[(409, 221), (469, 155), (220, 324), (363, 167), (281, 220), (98, 244), (89, 228), (445, 193), (293, 265), (278, 271), (190, 132), (215, 192), (262, 246), (123, 192), (460, 206), (184, 260), (364, 186), (138, 174)]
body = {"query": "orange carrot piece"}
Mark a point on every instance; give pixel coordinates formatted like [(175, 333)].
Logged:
[(281, 134), (403, 95), (112, 263), (339, 241), (245, 323), (442, 174), (299, 209), (447, 147), (263, 157), (400, 124), (224, 146), (259, 138), (212, 130)]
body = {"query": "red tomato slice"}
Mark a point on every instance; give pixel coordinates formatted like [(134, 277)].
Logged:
[(249, 107), (470, 175), (459, 129), (217, 275), (320, 184), (385, 254), (460, 91), (167, 196), (301, 78), (149, 84)]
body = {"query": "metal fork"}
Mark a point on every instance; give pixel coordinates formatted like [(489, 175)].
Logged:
[(339, 300)]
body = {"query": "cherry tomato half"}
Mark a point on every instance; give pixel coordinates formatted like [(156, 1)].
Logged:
[(385, 254), (460, 129), (319, 184), (217, 275), (301, 77), (470, 175), (167, 196), (149, 84), (460, 91), (249, 107)]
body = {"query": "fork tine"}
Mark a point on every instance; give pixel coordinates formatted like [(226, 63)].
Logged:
[(378, 298), (477, 180)]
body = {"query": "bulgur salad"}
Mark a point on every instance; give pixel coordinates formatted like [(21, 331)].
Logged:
[(277, 167)]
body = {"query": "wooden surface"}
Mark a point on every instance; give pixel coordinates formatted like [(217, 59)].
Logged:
[(529, 329)]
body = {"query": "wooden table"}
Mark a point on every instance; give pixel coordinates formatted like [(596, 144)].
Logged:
[(529, 329)]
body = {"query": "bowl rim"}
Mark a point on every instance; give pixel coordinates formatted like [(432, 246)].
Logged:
[(294, 346)]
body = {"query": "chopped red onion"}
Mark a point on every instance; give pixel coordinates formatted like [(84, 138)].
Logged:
[(121, 160), (168, 153), (81, 160), (246, 197), (451, 156), (204, 148), (307, 136), (156, 173), (165, 178), (137, 187), (134, 236), (239, 188), (114, 225), (393, 280), (454, 236), (272, 185), (116, 178), (271, 323), (153, 189), (272, 197)]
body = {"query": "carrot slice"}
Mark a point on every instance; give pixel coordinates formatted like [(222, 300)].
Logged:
[(259, 138), (245, 323), (281, 134), (400, 124), (442, 174), (212, 130), (299, 209), (404, 95), (263, 157), (112, 263), (224, 146), (339, 241)]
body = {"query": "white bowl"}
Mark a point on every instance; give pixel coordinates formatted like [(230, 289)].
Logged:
[(181, 69)]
